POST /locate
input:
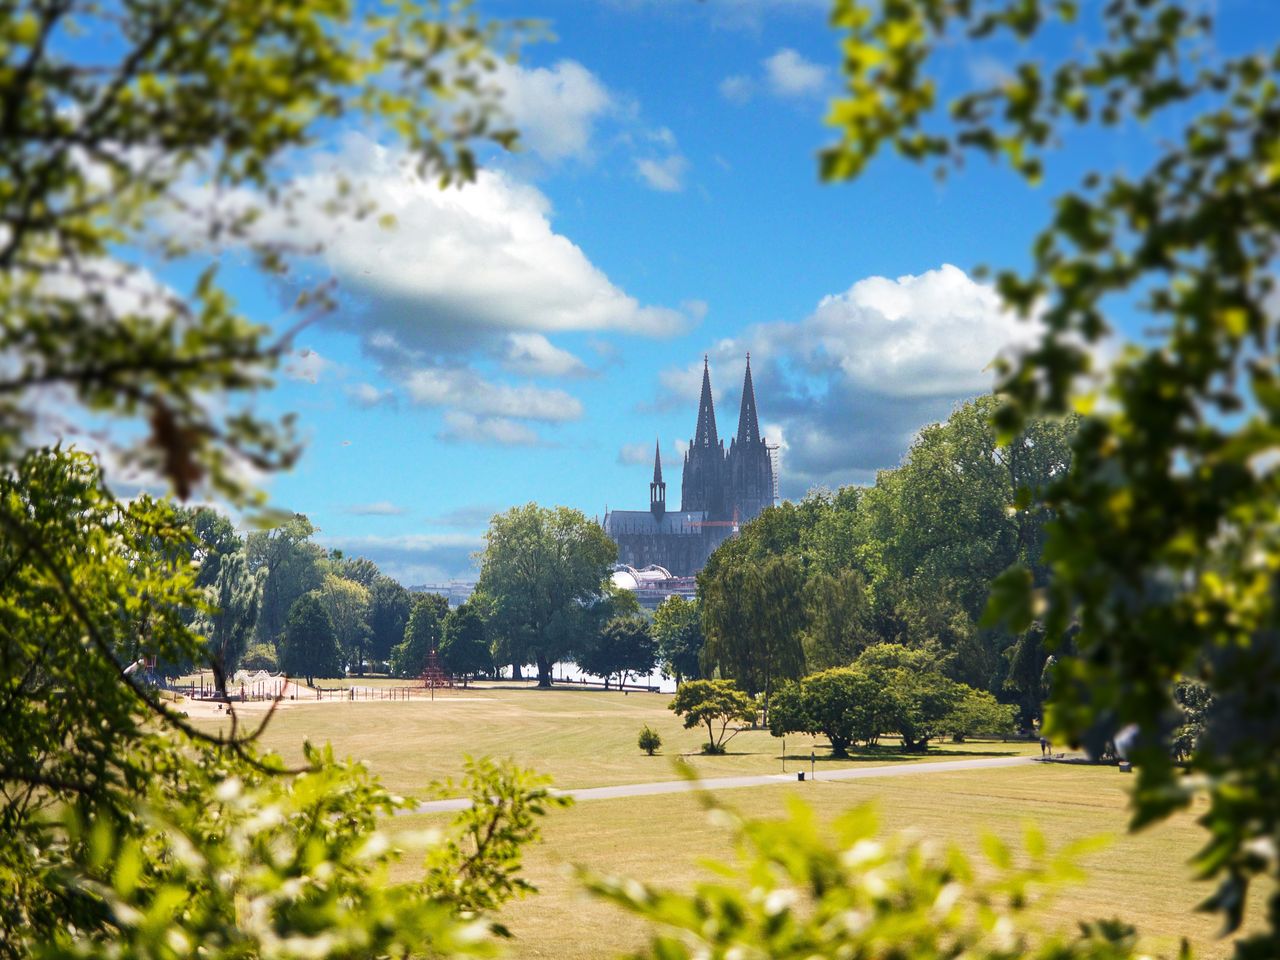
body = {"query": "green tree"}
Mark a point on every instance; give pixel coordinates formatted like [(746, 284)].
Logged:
[(421, 636), (389, 608), (292, 565), (836, 618), (919, 697), (843, 704), (310, 645), (228, 617), (713, 702), (977, 712), (543, 576), (624, 646), (649, 740), (348, 605), (677, 630), (753, 617), (362, 570), (1162, 555), (464, 643)]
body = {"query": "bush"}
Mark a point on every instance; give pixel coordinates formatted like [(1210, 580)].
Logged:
[(649, 741)]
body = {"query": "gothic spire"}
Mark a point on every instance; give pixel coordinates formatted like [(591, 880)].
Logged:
[(748, 425), (657, 489), (657, 461), (706, 434)]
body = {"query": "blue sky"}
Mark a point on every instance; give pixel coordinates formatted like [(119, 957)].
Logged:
[(528, 337)]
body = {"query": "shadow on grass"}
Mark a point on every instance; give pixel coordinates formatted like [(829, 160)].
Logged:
[(883, 754)]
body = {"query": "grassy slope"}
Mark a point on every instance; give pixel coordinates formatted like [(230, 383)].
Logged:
[(586, 738), (1142, 878), (581, 738)]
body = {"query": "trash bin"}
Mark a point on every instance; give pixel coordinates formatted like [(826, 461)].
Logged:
[(800, 776)]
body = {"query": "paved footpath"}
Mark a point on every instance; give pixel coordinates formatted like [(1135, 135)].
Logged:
[(731, 783)]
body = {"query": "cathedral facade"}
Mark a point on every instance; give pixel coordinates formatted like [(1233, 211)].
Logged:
[(719, 490)]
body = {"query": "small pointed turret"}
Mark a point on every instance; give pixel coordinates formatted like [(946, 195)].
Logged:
[(706, 435), (748, 424), (657, 489)]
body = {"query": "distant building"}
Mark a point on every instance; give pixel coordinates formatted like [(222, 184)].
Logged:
[(719, 491)]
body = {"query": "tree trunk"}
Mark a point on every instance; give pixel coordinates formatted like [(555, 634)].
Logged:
[(839, 746), (544, 672), (515, 672)]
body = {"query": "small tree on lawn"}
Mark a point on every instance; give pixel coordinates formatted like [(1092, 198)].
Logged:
[(845, 705), (310, 646), (920, 697), (979, 712), (649, 740), (713, 702)]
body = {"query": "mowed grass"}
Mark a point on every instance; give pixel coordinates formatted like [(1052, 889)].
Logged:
[(1142, 878), (581, 738)]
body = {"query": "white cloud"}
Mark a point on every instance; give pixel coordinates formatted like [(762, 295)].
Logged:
[(367, 395), (308, 365), (381, 508), (555, 109), (665, 174), (845, 389), (414, 558), (458, 263), (533, 355), (786, 74), (634, 453), (790, 75), (462, 427), (467, 390), (738, 89)]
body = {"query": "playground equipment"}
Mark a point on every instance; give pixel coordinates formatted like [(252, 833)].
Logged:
[(434, 675)]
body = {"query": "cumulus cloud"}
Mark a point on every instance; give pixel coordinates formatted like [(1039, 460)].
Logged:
[(367, 395), (634, 453), (308, 365), (381, 508), (463, 388), (440, 280), (665, 174), (791, 75), (463, 427), (786, 74), (846, 388), (533, 355), (554, 108), (738, 88), (414, 558)]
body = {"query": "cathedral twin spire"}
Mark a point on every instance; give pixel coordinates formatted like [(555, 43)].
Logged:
[(714, 479)]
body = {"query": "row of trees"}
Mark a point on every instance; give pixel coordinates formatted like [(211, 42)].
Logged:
[(275, 599), (809, 586)]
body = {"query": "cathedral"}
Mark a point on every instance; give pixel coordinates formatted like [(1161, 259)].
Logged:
[(719, 490)]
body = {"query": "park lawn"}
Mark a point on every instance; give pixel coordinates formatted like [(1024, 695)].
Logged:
[(1141, 878), (581, 738)]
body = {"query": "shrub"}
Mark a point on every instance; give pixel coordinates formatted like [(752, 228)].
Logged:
[(260, 656), (649, 740)]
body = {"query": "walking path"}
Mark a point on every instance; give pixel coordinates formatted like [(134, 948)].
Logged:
[(730, 783)]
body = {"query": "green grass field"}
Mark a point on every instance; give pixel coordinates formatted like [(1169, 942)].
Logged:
[(581, 738), (587, 738)]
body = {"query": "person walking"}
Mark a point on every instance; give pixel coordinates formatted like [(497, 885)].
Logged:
[(1044, 747)]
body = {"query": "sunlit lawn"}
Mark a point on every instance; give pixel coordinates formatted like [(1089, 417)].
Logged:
[(581, 738), (588, 738), (1141, 878)]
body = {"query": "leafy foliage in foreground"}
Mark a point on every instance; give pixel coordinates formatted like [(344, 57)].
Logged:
[(1163, 558), (801, 890), (127, 832)]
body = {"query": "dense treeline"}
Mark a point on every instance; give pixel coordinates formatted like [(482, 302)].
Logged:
[(809, 586), (277, 600)]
